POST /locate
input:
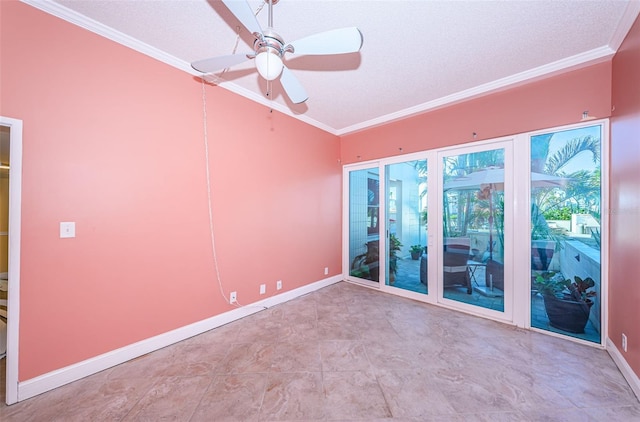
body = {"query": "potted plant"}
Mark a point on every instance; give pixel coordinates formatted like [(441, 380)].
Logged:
[(416, 252), (394, 247), (566, 302)]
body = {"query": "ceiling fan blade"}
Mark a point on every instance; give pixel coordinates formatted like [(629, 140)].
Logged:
[(292, 86), (336, 41), (242, 11), (218, 63)]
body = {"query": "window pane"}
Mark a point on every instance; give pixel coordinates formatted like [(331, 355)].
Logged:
[(473, 228), (565, 232), (364, 223), (407, 225)]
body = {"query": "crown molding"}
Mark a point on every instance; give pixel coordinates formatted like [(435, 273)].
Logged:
[(570, 63), (626, 22), (98, 28), (560, 66)]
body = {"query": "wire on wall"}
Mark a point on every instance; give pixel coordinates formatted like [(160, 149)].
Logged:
[(209, 202), (208, 175)]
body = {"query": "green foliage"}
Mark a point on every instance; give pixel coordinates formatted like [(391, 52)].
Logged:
[(550, 283), (581, 193), (416, 248), (394, 246), (394, 243), (573, 147), (563, 213), (553, 284), (540, 228)]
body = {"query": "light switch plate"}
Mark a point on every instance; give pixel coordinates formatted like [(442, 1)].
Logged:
[(67, 229)]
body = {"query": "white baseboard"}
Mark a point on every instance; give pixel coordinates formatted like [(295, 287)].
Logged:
[(62, 376), (623, 366)]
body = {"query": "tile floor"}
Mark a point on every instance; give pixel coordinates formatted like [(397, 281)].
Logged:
[(348, 353)]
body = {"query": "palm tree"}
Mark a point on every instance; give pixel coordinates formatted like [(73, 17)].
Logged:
[(583, 189), (465, 202)]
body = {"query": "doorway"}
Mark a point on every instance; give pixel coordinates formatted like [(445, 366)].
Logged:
[(510, 227), (475, 241), (11, 140), (406, 210), (363, 214)]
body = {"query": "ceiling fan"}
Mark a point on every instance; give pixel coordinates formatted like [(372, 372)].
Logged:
[(269, 49)]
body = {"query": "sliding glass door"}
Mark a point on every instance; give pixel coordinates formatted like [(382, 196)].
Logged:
[(406, 218), (508, 229), (475, 185), (364, 224)]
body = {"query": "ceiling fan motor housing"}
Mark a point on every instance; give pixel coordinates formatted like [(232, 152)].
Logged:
[(269, 41)]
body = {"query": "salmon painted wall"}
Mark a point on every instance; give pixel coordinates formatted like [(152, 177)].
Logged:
[(546, 103), (113, 140), (624, 295)]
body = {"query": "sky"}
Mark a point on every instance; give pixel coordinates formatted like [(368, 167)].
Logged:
[(584, 160)]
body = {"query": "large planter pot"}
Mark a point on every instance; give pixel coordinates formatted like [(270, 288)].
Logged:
[(567, 314), (416, 255)]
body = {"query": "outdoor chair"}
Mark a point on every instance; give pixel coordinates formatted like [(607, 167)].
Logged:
[(424, 268), (494, 275), (542, 254), (455, 257)]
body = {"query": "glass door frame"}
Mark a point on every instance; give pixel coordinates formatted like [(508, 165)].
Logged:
[(509, 297), (429, 157), (519, 307), (523, 148), (346, 259)]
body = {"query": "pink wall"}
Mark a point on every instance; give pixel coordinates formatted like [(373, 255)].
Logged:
[(624, 299), (113, 141), (547, 103)]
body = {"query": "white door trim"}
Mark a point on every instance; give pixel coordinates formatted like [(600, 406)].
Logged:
[(15, 207)]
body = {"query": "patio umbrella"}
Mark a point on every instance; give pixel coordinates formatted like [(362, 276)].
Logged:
[(490, 180), (494, 177)]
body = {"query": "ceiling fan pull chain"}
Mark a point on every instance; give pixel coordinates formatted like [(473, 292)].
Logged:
[(235, 47), (269, 90), (259, 9)]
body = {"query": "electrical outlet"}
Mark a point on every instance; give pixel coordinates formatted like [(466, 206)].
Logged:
[(326, 270), (263, 289), (233, 297), (67, 229), (624, 342), (278, 284)]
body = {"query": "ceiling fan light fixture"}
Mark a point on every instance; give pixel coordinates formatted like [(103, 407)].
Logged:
[(269, 49), (269, 63)]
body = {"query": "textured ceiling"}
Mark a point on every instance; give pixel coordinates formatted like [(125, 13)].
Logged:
[(417, 55)]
